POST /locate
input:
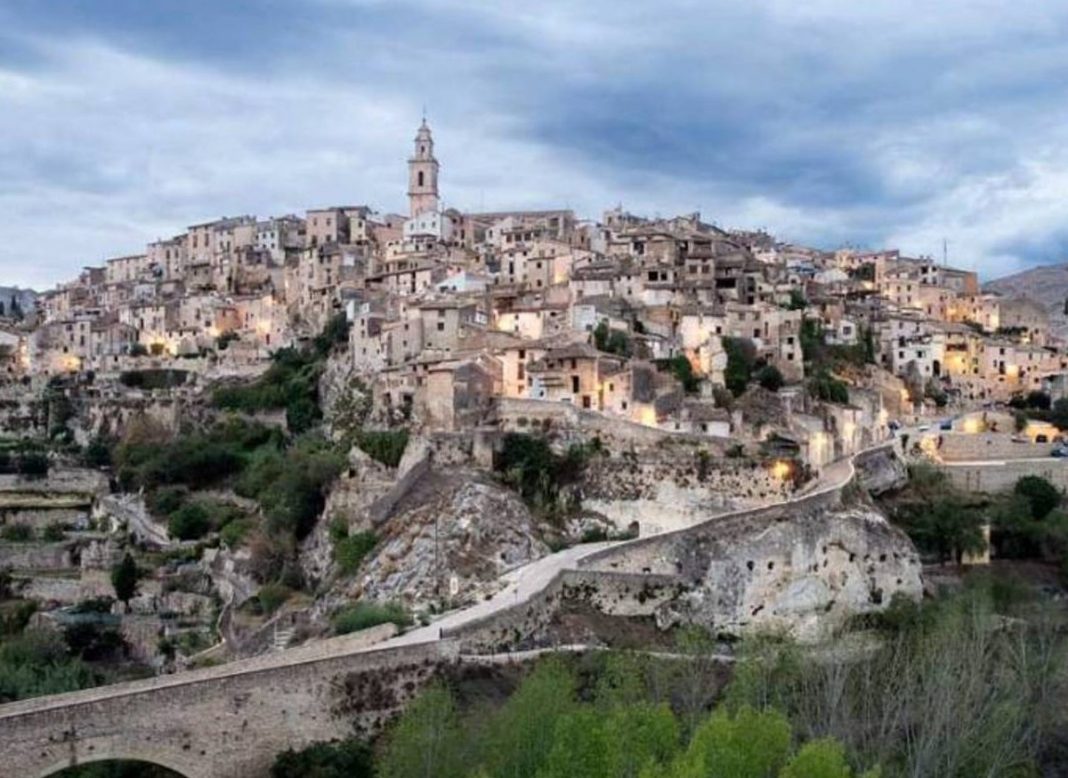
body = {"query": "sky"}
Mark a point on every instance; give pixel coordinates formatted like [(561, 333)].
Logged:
[(882, 123)]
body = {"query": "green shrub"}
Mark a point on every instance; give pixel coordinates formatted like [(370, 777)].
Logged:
[(190, 522), (291, 485), (364, 615), (1041, 495), (33, 464), (385, 446), (234, 532), (347, 759), (350, 551), (272, 596), (770, 378), (531, 467), (54, 532), (16, 533), (741, 358), (823, 386), (98, 452), (167, 499)]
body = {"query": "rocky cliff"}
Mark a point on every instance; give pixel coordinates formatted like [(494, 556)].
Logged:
[(803, 577)]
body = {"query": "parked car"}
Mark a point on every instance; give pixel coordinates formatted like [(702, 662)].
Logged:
[(1060, 452), (946, 425)]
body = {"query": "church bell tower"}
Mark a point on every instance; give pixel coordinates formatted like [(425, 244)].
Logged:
[(422, 174)]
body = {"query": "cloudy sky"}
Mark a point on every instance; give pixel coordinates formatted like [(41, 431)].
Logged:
[(882, 122)]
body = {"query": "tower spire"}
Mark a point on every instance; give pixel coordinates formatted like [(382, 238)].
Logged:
[(423, 173)]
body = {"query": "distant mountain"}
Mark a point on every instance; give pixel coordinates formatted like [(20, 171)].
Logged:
[(1047, 284)]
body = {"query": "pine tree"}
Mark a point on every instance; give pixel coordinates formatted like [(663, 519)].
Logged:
[(124, 577)]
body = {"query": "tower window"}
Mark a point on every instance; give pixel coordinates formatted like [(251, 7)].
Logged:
[(420, 178)]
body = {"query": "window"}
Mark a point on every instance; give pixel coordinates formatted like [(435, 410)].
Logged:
[(441, 326), (420, 177), (574, 384)]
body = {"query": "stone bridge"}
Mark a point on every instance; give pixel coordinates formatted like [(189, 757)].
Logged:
[(228, 721)]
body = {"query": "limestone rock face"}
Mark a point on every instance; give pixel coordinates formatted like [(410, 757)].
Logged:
[(882, 471), (448, 541), (803, 576), (350, 500)]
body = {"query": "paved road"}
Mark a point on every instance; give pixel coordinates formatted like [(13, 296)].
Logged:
[(522, 584), (528, 581)]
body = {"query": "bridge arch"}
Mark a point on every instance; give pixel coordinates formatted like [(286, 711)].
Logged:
[(59, 769)]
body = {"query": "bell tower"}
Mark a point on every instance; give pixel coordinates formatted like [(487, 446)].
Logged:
[(422, 174)]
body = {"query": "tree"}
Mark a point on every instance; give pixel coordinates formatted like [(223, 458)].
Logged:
[(741, 357), (868, 340), (823, 386), (770, 378), (1041, 495), (824, 758), (683, 371), (798, 302), (521, 735), (752, 744), (426, 741), (189, 522), (347, 759), (580, 746), (1058, 415), (945, 525), (124, 577)]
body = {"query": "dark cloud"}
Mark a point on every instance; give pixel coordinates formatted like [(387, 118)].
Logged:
[(826, 122)]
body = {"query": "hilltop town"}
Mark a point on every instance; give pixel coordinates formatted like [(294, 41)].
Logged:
[(502, 431)]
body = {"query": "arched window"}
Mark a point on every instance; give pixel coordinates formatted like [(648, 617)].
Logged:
[(420, 178)]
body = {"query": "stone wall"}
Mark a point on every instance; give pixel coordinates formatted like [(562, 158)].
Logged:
[(36, 556), (663, 492), (963, 447), (526, 625), (65, 590), (522, 415), (223, 722), (1001, 476), (802, 567)]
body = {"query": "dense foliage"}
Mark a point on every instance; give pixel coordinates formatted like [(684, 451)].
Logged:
[(364, 615), (347, 759), (350, 549), (824, 386), (741, 360), (680, 367), (36, 662), (291, 382), (947, 692), (385, 446), (529, 464), (124, 578), (941, 521), (611, 341)]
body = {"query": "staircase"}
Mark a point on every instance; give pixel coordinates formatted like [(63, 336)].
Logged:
[(281, 638)]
